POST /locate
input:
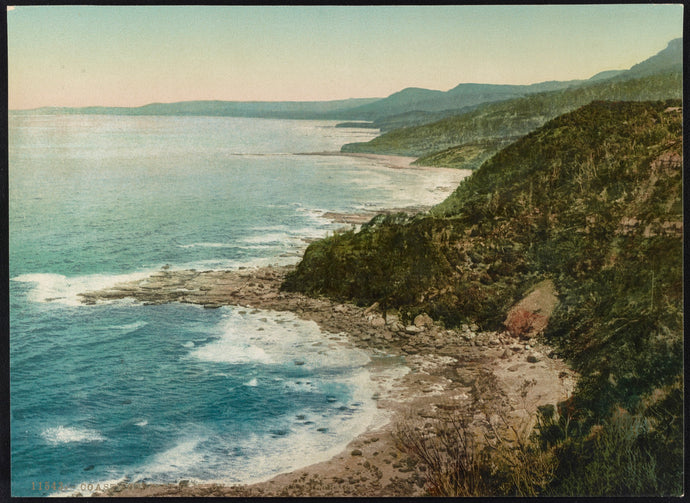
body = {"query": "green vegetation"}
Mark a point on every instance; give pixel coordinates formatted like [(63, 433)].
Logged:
[(592, 200), (466, 156)]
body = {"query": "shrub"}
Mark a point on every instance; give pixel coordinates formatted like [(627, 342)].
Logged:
[(455, 466)]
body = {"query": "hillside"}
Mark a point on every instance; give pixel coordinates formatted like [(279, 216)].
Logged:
[(512, 118), (490, 124), (591, 200), (671, 58), (419, 100)]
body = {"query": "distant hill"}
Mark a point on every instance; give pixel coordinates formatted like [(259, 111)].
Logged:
[(491, 124), (261, 109), (494, 122), (669, 59), (416, 100)]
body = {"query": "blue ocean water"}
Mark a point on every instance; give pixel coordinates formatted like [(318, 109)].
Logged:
[(163, 393)]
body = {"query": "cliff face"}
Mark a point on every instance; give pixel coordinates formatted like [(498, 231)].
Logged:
[(593, 201), (561, 201)]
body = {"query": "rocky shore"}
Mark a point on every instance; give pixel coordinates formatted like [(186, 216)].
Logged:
[(488, 376)]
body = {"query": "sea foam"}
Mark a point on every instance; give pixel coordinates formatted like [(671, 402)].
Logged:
[(65, 434), (50, 287), (280, 338)]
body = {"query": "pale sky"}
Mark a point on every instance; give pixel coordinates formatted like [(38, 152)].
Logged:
[(131, 56)]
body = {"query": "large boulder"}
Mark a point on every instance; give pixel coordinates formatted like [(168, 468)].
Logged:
[(529, 317), (423, 321)]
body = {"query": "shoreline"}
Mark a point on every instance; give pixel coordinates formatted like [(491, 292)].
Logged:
[(387, 160), (421, 372), (482, 374)]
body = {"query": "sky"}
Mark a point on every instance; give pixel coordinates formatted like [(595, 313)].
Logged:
[(134, 55)]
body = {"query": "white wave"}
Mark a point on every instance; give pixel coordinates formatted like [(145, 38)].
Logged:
[(287, 257), (131, 327), (176, 460), (252, 383), (50, 287), (188, 344), (280, 338), (309, 439), (273, 228), (65, 434), (208, 245), (267, 238), (142, 423)]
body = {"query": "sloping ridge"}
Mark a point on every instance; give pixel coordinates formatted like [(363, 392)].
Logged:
[(592, 201), (658, 77)]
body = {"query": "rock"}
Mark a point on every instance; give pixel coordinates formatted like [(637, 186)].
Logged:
[(397, 327), (506, 354), (356, 452), (378, 322), (531, 315), (392, 318), (412, 329), (423, 320), (533, 358), (465, 377), (339, 308), (372, 308)]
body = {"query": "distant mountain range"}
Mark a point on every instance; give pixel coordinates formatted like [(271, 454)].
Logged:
[(410, 106), (261, 109), (465, 139)]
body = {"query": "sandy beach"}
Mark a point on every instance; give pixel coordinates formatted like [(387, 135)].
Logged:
[(421, 372)]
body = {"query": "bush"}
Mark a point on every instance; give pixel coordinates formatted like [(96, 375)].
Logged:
[(454, 464)]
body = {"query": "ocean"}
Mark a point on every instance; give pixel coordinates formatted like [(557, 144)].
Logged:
[(125, 391)]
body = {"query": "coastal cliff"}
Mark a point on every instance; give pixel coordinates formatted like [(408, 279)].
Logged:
[(593, 201)]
